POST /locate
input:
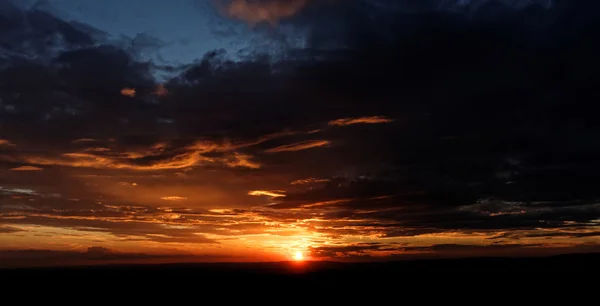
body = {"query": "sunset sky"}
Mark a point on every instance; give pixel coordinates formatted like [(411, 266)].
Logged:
[(196, 130)]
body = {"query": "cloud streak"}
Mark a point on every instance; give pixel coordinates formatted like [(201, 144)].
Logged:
[(26, 168), (174, 198), (273, 194), (361, 120), (6, 143), (299, 146)]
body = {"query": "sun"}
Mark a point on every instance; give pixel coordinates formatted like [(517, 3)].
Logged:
[(299, 256)]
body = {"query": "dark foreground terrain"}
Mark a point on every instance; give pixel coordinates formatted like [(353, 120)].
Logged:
[(575, 275)]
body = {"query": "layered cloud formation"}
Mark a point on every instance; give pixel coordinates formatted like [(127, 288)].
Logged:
[(395, 128)]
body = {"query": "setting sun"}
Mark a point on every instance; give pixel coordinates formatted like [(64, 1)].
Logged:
[(298, 256)]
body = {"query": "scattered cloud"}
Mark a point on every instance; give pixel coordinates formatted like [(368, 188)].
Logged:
[(303, 145), (445, 178), (361, 120)]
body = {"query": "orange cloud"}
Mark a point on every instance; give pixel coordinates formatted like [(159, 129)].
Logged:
[(162, 155), (303, 145), (173, 198), (241, 160), (361, 120), (86, 160), (4, 142), (182, 158), (255, 12), (273, 194), (27, 168), (128, 92)]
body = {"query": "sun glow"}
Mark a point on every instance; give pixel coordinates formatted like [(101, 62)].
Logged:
[(298, 256)]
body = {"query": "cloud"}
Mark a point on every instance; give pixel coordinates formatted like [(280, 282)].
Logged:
[(83, 140), (345, 250), (128, 92), (310, 180), (174, 198), (27, 168), (6, 143), (241, 160), (152, 158), (273, 194), (255, 12), (361, 120), (9, 230), (161, 90), (458, 169), (299, 146)]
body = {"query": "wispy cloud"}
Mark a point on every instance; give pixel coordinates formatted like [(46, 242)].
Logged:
[(241, 160), (161, 90), (361, 120), (4, 142), (270, 193), (87, 160), (27, 168), (298, 146), (173, 198), (255, 12), (310, 180), (157, 157)]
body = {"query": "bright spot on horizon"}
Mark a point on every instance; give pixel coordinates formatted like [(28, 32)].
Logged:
[(298, 256)]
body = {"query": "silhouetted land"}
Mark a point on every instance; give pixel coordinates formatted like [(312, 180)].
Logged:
[(567, 273)]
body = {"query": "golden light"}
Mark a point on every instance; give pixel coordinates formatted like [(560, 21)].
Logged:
[(298, 256)]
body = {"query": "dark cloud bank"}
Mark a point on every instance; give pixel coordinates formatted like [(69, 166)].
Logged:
[(492, 114)]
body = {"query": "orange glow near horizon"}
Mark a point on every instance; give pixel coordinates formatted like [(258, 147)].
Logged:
[(298, 256)]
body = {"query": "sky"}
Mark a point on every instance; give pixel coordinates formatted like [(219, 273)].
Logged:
[(358, 130)]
